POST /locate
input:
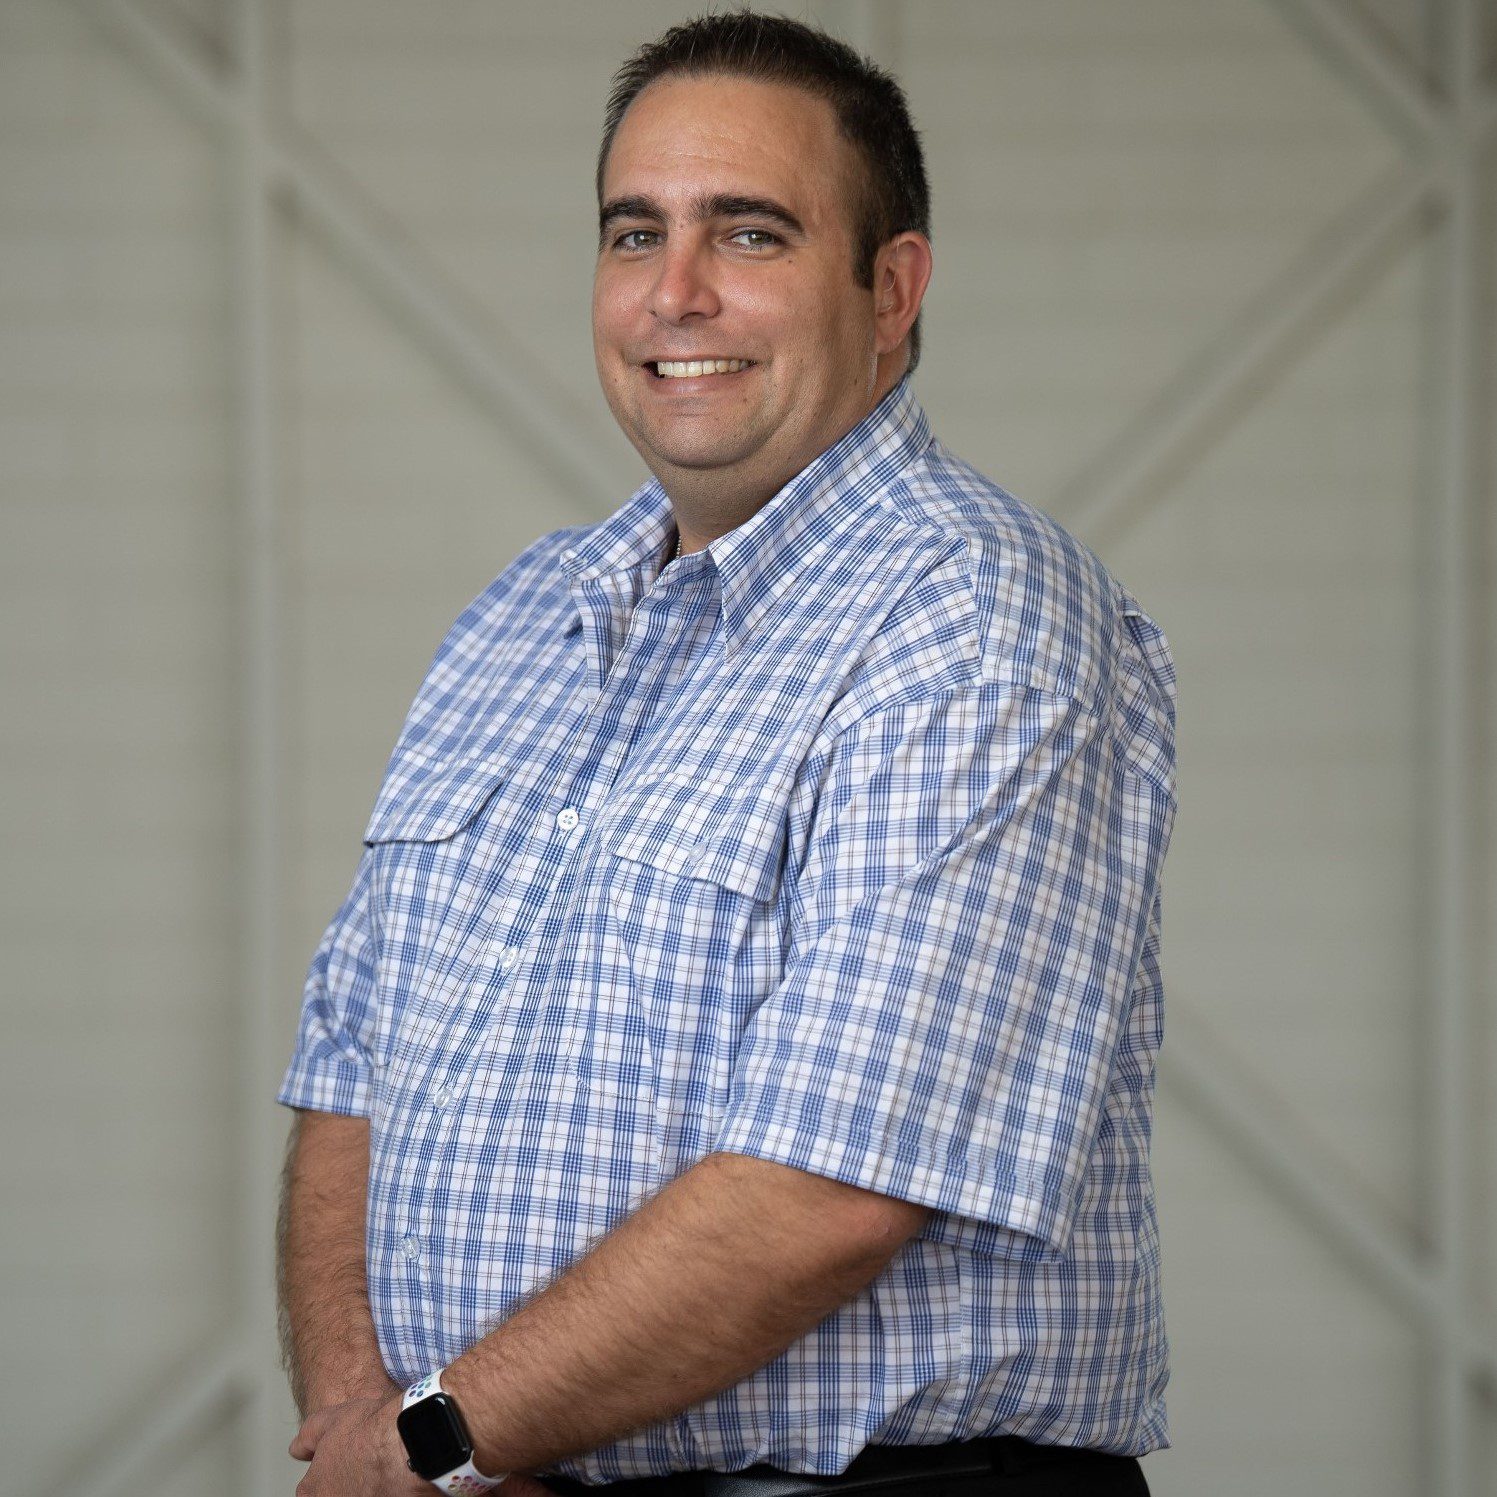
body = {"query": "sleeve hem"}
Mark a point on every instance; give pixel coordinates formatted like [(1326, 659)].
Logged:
[(343, 1090), (992, 1195)]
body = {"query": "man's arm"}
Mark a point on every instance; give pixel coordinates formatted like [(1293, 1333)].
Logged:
[(327, 1334), (709, 1280), (704, 1284)]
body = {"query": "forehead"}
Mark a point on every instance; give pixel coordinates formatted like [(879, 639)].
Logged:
[(684, 135)]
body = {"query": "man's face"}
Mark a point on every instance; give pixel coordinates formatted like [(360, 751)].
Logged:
[(728, 236)]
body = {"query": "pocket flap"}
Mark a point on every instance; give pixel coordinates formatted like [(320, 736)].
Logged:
[(730, 838), (422, 802)]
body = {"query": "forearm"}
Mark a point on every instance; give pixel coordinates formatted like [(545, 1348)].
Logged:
[(327, 1333), (704, 1284)]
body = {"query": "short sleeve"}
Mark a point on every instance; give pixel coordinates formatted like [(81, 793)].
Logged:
[(334, 1055), (975, 906)]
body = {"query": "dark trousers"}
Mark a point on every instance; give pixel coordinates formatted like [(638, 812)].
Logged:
[(1004, 1466)]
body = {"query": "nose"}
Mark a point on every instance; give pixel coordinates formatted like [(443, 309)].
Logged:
[(683, 288)]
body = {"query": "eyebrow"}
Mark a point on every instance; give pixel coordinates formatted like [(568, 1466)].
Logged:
[(707, 206)]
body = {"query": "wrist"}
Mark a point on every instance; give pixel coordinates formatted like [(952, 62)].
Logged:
[(457, 1379), (335, 1390), (438, 1440)]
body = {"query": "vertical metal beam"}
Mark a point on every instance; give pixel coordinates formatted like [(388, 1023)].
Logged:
[(1457, 686), (262, 705)]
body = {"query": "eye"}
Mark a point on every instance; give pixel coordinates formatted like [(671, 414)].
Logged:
[(756, 238), (636, 239)]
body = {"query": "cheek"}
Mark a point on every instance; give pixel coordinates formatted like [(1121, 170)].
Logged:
[(830, 312), (612, 305), (765, 307)]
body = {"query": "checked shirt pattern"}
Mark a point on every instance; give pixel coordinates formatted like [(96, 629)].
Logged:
[(838, 844)]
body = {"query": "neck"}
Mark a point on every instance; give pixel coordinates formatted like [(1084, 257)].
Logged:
[(702, 514)]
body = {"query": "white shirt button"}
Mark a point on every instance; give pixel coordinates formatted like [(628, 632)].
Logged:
[(508, 956), (412, 1249), (567, 819), (442, 1097)]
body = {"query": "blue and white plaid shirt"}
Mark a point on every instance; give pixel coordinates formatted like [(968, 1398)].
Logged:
[(837, 844)]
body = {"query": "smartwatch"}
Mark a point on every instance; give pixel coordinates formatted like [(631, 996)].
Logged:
[(437, 1444)]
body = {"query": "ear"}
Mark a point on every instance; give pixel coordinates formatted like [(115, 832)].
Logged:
[(901, 272)]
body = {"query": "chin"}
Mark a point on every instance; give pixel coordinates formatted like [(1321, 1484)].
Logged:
[(695, 459), (673, 451)]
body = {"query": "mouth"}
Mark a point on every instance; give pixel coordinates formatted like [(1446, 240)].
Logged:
[(696, 368)]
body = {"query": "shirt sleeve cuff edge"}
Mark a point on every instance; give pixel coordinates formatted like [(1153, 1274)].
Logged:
[(346, 1095), (1009, 1202)]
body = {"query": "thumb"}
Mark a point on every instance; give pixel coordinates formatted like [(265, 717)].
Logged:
[(308, 1437), (518, 1484)]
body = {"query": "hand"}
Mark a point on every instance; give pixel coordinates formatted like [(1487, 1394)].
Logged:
[(518, 1484), (373, 1390), (355, 1452), (321, 1418)]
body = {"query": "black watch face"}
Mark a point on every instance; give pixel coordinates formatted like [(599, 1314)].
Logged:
[(434, 1435)]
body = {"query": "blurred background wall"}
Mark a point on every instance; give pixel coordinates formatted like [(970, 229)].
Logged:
[(294, 300)]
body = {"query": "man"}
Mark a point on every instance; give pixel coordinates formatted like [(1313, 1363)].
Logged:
[(736, 1051)]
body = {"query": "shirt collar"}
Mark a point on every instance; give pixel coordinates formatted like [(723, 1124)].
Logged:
[(758, 559)]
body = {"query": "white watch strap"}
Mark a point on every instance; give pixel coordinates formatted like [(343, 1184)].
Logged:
[(466, 1479)]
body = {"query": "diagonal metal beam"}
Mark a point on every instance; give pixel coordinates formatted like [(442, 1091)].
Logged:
[(1395, 91), (487, 358), (1246, 1120), (1130, 472), (144, 1441)]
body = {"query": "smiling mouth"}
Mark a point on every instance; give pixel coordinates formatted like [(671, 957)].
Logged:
[(695, 368)]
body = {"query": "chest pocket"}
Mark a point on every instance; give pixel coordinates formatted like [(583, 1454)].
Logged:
[(431, 803), (433, 832), (730, 835)]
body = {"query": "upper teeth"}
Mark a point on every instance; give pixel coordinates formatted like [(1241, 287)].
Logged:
[(690, 368)]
